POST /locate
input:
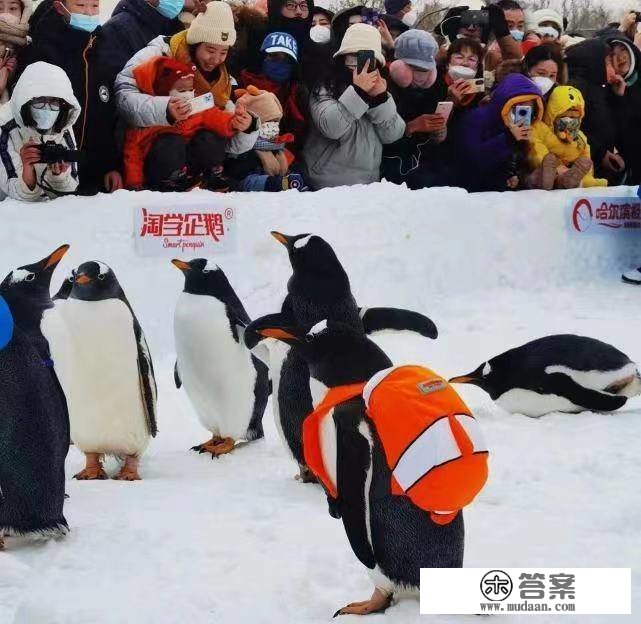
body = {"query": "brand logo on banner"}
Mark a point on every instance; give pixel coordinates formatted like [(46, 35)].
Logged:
[(202, 229), (605, 214), (526, 591)]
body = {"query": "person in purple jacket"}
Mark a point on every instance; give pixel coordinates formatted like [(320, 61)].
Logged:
[(491, 141)]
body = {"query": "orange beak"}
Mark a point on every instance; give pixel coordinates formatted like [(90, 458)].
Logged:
[(56, 256), (462, 380), (279, 334), (281, 238), (82, 279), (183, 266)]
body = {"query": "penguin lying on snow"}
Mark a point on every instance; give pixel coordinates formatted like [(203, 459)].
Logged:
[(318, 289), (227, 386), (34, 426), (111, 389), (383, 500), (563, 373)]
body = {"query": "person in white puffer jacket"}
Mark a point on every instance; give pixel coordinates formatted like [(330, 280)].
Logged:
[(42, 110)]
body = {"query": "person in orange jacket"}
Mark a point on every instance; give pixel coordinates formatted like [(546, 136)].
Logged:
[(165, 76)]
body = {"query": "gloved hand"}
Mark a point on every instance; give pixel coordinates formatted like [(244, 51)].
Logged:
[(498, 23)]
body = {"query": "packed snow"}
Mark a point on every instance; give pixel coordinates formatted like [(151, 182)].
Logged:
[(238, 539)]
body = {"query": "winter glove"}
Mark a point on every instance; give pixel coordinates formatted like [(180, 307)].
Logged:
[(498, 23)]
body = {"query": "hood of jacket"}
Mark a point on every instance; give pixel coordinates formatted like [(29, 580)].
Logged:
[(587, 60), (43, 80), (291, 26), (147, 72), (562, 99), (515, 89), (635, 53)]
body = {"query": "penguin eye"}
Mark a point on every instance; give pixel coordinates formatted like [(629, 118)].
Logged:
[(71, 279), (30, 277), (205, 271), (101, 276), (309, 337)]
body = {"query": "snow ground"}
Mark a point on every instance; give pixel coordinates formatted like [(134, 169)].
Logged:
[(237, 540)]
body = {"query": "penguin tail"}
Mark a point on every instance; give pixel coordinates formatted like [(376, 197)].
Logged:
[(45, 531)]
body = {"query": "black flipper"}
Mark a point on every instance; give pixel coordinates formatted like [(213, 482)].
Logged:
[(147, 379), (177, 380), (353, 459), (262, 390), (397, 319), (563, 385)]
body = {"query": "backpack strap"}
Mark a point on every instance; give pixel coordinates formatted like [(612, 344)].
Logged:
[(311, 428)]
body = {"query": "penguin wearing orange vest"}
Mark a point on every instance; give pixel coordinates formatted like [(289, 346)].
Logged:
[(390, 534), (318, 289)]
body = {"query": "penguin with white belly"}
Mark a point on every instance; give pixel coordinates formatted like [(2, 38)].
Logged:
[(112, 389), (227, 386), (397, 451), (34, 424), (318, 289), (560, 373)]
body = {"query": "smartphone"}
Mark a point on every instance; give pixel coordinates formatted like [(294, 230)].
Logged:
[(444, 109), (201, 103), (471, 18), (365, 58), (523, 115), (477, 84)]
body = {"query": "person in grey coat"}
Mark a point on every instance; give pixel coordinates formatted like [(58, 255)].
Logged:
[(352, 115)]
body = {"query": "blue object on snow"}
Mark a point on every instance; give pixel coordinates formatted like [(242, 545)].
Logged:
[(6, 324)]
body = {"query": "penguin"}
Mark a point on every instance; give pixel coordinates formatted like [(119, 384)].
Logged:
[(65, 288), (112, 391), (560, 373), (227, 386), (318, 289), (389, 534), (34, 428)]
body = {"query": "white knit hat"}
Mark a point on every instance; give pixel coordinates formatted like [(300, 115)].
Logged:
[(215, 26), (362, 37), (548, 15)]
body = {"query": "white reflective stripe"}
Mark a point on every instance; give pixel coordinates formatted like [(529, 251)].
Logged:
[(374, 381), (473, 431), (433, 447), (443, 513)]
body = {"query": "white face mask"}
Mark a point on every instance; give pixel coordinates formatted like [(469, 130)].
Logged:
[(548, 31), (43, 117), (269, 130), (320, 34), (409, 19), (457, 72), (182, 95), (544, 83)]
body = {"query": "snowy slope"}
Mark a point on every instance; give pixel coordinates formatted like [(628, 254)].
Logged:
[(238, 540)]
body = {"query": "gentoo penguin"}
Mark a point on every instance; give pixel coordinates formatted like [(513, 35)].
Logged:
[(112, 390), (318, 289), (562, 373), (65, 289), (388, 533), (227, 386), (34, 427)]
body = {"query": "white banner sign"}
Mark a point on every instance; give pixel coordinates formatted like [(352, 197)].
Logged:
[(526, 591), (605, 215), (203, 230)]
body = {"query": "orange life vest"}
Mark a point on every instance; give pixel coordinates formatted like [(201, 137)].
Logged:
[(432, 443)]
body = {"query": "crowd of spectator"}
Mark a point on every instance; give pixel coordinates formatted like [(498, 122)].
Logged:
[(170, 95)]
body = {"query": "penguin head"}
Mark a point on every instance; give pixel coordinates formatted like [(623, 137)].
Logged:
[(28, 285), (315, 264), (487, 377), (95, 281), (203, 277), (335, 352)]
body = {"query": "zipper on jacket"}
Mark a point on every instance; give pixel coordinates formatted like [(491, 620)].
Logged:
[(85, 110)]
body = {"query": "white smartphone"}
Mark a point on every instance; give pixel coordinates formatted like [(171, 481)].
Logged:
[(477, 84), (201, 103), (444, 109), (523, 115)]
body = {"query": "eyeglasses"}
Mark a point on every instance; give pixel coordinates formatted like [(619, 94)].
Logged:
[(52, 106), (292, 6)]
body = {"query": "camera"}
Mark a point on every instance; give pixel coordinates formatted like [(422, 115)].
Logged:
[(51, 152), (471, 18)]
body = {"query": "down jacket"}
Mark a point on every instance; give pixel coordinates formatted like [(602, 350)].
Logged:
[(544, 140), (38, 80), (345, 142), (142, 110)]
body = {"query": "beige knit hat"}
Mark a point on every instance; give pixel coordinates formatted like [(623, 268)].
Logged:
[(215, 26), (362, 37)]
